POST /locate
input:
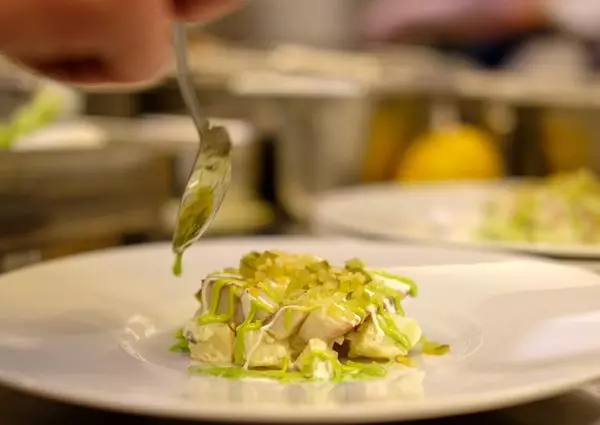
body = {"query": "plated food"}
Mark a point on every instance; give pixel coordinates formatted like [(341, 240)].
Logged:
[(117, 333), (562, 209), (297, 317)]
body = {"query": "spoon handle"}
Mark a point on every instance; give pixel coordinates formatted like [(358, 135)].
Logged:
[(184, 76)]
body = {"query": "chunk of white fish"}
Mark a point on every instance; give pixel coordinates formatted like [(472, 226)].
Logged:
[(262, 350), (286, 322), (213, 343), (369, 340), (320, 325)]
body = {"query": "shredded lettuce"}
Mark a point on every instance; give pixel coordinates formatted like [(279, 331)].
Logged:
[(45, 107), (562, 209)]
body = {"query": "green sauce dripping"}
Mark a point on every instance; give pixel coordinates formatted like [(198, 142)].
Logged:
[(177, 265), (194, 213)]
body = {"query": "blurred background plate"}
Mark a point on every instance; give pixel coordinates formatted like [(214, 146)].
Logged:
[(427, 213)]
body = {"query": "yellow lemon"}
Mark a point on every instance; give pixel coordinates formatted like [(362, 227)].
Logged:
[(457, 153)]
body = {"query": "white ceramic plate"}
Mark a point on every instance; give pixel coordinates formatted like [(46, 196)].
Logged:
[(95, 330), (426, 213)]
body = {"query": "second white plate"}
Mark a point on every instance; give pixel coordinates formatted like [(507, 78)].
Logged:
[(445, 213)]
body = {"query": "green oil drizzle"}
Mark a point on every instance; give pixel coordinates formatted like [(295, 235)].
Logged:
[(389, 328), (182, 344), (288, 317), (327, 356), (212, 316), (343, 372), (238, 372), (433, 348), (194, 213), (240, 333)]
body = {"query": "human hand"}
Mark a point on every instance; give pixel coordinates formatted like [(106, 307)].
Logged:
[(449, 19), (92, 42)]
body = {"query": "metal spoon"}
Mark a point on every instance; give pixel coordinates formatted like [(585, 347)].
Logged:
[(209, 179)]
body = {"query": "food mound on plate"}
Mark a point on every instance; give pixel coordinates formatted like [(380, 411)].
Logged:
[(299, 318), (563, 209)]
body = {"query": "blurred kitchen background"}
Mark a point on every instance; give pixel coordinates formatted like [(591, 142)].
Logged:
[(308, 111)]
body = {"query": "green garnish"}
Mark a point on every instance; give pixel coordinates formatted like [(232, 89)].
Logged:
[(405, 361), (349, 371), (355, 264), (433, 348), (414, 289), (182, 344), (238, 372)]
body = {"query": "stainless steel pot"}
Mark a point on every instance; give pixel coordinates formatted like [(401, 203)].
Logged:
[(321, 147)]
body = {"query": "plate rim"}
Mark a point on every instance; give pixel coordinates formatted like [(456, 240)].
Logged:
[(384, 411)]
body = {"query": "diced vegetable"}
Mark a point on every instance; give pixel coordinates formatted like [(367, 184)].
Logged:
[(213, 343)]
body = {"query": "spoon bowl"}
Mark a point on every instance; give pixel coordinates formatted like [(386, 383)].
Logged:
[(211, 173)]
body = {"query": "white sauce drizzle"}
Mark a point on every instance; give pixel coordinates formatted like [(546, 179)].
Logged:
[(373, 312), (389, 306)]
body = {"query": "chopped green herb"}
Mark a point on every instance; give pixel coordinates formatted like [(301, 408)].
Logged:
[(182, 344), (433, 348)]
